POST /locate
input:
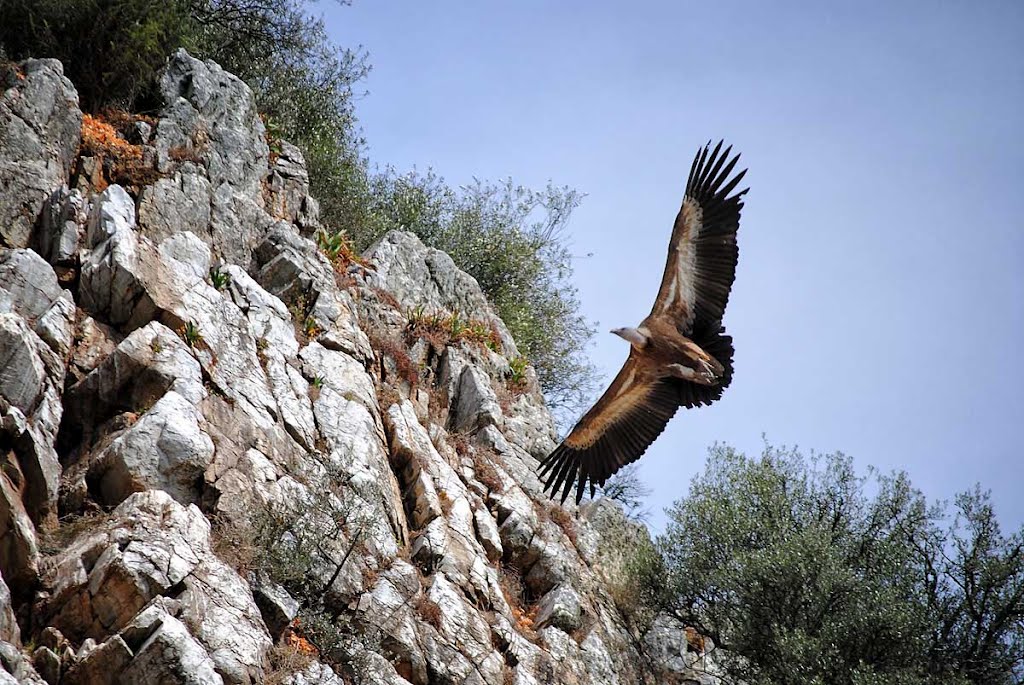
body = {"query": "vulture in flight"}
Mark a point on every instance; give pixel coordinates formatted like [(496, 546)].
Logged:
[(679, 355)]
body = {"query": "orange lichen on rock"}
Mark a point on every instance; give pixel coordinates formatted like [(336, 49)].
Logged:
[(100, 138), (694, 640), (116, 160), (294, 639)]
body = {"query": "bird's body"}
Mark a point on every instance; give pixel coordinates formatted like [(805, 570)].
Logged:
[(679, 355)]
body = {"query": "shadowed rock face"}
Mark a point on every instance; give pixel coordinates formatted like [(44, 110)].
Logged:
[(351, 469)]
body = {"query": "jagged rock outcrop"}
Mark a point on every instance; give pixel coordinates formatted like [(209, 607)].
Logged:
[(253, 450), (39, 130)]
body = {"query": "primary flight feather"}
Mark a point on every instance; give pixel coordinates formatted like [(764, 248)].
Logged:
[(679, 355)]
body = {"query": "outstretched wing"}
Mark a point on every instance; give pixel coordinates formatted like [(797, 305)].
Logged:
[(615, 432), (702, 254)]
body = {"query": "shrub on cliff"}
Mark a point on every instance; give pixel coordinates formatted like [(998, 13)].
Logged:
[(512, 241), (817, 575)]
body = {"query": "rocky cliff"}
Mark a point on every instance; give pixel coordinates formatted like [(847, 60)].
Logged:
[(231, 455)]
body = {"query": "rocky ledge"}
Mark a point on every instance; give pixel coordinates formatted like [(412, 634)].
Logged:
[(220, 448)]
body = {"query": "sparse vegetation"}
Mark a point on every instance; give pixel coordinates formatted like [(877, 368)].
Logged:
[(485, 472), (564, 520), (517, 374), (338, 249), (53, 540), (304, 547), (388, 347), (523, 612), (626, 488), (310, 328), (443, 328), (428, 610), (292, 653), (117, 160), (190, 334), (512, 240), (219, 278)]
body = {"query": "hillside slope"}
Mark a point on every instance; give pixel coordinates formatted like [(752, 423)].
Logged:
[(220, 448)]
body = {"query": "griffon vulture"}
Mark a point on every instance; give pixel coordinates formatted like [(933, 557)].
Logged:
[(679, 355)]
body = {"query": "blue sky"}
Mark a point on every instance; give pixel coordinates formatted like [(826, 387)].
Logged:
[(878, 307)]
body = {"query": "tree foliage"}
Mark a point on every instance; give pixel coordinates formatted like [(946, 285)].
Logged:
[(512, 241), (809, 573), (110, 49)]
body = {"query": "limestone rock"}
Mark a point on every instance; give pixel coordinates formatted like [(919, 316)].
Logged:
[(35, 335), (476, 406), (40, 124), (276, 605), (420, 276), (288, 188), (220, 367), (209, 115), (560, 608), (16, 668), (19, 551), (9, 631), (61, 227), (120, 270), (155, 546), (171, 654)]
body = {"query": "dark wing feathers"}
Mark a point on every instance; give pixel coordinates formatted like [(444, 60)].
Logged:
[(715, 342), (702, 258), (625, 438), (716, 251)]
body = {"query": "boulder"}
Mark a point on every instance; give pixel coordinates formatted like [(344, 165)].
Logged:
[(40, 126)]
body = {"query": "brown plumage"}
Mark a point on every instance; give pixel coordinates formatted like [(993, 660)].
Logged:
[(679, 355)]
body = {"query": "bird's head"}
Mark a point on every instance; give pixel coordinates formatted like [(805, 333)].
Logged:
[(635, 337)]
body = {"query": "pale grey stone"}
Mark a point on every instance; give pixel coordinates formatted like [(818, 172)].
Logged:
[(39, 133), (211, 115), (487, 533), (121, 271), (560, 608), (47, 664), (15, 667), (169, 655), (153, 545), (288, 185), (98, 663), (165, 449), (62, 226), (277, 607), (421, 276), (476, 404), (318, 673), (9, 631), (178, 203)]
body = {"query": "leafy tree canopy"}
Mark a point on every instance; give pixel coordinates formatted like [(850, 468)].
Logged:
[(809, 573)]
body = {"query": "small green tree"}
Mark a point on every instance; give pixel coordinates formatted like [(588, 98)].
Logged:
[(809, 573)]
